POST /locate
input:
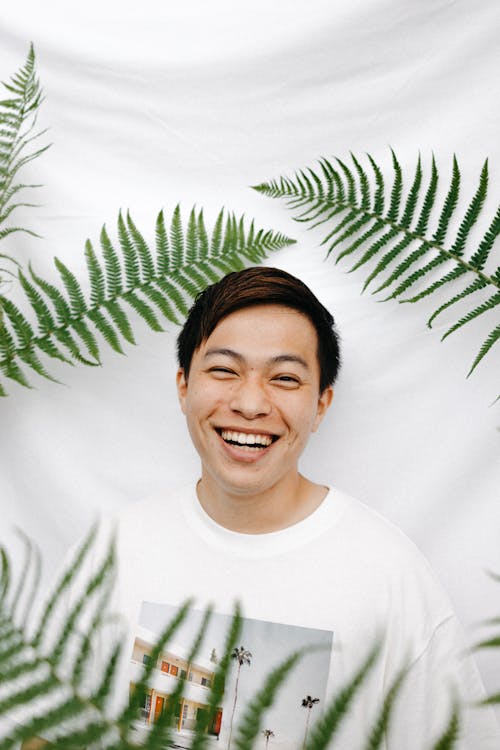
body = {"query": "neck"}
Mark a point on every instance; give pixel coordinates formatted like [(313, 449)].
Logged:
[(282, 505)]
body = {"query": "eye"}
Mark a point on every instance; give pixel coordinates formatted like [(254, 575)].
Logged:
[(221, 372), (289, 381)]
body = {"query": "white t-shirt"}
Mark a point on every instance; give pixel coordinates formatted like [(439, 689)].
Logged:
[(337, 579)]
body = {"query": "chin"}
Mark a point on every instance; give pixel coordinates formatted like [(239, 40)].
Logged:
[(245, 485)]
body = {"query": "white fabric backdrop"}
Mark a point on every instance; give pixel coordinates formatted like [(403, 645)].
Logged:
[(150, 104)]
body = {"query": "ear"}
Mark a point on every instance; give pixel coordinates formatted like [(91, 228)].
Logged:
[(324, 401), (182, 386)]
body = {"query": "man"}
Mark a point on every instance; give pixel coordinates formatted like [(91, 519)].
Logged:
[(258, 356), (255, 380)]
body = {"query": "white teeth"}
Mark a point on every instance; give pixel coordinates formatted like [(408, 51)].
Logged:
[(244, 438)]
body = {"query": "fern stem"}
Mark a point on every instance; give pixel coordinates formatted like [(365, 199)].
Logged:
[(151, 286), (84, 315)]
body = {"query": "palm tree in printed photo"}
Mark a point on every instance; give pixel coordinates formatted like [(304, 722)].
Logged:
[(242, 656), (268, 733), (308, 702)]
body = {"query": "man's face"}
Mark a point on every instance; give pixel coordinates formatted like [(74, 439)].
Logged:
[(252, 397)]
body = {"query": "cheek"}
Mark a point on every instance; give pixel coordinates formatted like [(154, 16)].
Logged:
[(301, 417), (312, 420), (203, 399)]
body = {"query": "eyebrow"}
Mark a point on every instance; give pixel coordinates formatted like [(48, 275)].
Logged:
[(273, 360)]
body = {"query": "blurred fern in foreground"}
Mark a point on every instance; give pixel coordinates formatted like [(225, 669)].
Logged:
[(492, 642), (52, 686), (365, 214)]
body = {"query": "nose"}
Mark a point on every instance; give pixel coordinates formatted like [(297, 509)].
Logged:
[(250, 399)]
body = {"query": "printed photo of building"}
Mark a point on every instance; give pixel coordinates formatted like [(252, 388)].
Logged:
[(262, 646), (172, 665)]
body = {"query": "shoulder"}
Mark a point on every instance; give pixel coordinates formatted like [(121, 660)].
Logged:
[(384, 557), (162, 506), (367, 527), (130, 527)]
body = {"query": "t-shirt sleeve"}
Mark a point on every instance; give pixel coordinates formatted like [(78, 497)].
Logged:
[(444, 673)]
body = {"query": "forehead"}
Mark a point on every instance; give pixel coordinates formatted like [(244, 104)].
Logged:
[(266, 328)]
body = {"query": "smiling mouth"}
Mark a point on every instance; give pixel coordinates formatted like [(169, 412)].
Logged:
[(254, 441)]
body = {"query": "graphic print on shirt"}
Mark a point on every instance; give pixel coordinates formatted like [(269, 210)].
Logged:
[(261, 647)]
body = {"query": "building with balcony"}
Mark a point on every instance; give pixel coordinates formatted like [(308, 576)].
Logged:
[(172, 665)]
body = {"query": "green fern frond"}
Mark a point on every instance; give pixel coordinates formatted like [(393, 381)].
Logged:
[(142, 250), (153, 283), (367, 216), (250, 723), (493, 640), (84, 653), (5, 578), (412, 199), (177, 238), (25, 571), (29, 662), (61, 699), (99, 580), (489, 643), (103, 692), (472, 213), (192, 237), (479, 310), (112, 265), (450, 204), (160, 734), (376, 736), (162, 248), (140, 690), (450, 735), (491, 700), (397, 189), (130, 259), (18, 116), (326, 727), (493, 337), (63, 586), (216, 693)]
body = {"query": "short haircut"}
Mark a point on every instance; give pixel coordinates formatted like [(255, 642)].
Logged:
[(259, 285)]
